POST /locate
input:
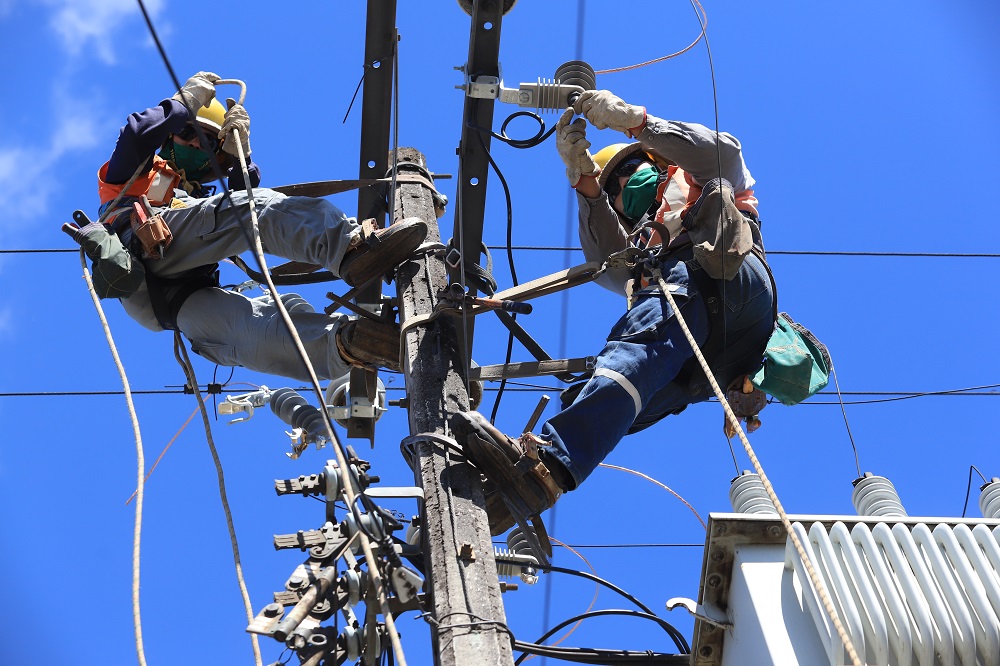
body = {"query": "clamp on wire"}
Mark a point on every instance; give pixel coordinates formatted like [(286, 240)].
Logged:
[(245, 402)]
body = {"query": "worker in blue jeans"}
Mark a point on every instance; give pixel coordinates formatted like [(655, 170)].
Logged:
[(663, 193)]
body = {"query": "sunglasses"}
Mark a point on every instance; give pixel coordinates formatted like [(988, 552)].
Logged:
[(189, 133), (625, 169)]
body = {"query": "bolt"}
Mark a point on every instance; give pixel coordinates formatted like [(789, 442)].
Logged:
[(272, 610), (718, 555), (706, 651), (715, 580), (774, 531), (508, 587), (295, 582), (720, 530), (524, 97), (467, 552)]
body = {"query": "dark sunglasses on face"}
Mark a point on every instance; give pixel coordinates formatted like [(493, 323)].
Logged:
[(189, 133), (624, 170)]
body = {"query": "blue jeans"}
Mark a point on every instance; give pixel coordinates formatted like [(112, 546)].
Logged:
[(635, 383)]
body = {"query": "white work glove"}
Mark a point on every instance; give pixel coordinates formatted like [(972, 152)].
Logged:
[(236, 118), (572, 144), (603, 109), (198, 91)]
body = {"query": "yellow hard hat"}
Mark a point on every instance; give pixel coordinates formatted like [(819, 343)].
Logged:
[(212, 116), (610, 157)]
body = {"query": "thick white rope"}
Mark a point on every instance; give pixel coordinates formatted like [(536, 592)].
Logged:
[(768, 488), (140, 462), (348, 486), (180, 353)]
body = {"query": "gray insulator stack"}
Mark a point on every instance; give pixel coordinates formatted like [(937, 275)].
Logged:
[(294, 410), (518, 548), (989, 499), (747, 495), (876, 496)]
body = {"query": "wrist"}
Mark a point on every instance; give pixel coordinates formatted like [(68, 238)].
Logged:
[(633, 132), (587, 185)]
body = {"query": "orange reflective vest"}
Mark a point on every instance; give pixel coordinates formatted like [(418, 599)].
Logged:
[(157, 184)]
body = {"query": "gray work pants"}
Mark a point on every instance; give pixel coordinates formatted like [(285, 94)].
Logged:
[(232, 329)]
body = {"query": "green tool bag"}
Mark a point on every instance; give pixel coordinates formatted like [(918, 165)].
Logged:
[(796, 364)]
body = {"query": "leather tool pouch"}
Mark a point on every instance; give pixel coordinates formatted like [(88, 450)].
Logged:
[(152, 232)]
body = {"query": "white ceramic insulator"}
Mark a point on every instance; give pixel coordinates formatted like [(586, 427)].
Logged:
[(876, 496), (989, 500), (747, 495)]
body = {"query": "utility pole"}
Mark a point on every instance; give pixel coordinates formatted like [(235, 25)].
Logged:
[(469, 622)]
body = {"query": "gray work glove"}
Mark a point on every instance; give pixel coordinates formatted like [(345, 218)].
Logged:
[(572, 144), (603, 109), (236, 118), (116, 274), (198, 91)]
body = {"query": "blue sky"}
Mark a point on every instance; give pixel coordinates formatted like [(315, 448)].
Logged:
[(869, 127)]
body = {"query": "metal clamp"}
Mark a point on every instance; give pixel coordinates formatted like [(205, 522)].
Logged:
[(704, 612)]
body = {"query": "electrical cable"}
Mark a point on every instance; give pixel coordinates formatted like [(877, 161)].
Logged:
[(968, 487), (847, 424), (180, 353), (675, 635), (662, 485), (604, 657), (140, 462), (162, 453), (548, 585), (702, 19)]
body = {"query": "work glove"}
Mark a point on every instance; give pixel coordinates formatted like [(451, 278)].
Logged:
[(603, 109), (116, 274), (236, 118), (198, 91), (572, 144)]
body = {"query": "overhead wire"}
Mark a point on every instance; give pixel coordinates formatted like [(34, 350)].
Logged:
[(661, 485), (163, 452), (968, 487), (703, 19)]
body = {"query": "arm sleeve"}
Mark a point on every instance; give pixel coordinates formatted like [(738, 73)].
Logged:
[(692, 147), (601, 234), (143, 134), (236, 176)]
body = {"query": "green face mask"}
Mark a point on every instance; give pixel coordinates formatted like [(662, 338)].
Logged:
[(195, 162), (639, 192)]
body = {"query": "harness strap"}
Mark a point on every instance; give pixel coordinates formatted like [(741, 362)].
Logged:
[(167, 295)]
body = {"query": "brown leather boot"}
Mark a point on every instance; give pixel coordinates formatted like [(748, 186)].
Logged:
[(381, 250), (513, 466), (364, 342)]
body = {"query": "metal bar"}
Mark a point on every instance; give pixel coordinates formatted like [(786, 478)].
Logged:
[(491, 373), (373, 162), (484, 56), (465, 590)]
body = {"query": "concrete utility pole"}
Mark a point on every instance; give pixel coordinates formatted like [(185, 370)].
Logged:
[(455, 532)]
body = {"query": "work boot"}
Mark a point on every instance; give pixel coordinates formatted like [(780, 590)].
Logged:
[(381, 250), (514, 468), (365, 342)]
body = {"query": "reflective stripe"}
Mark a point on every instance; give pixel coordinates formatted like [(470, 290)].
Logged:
[(622, 381)]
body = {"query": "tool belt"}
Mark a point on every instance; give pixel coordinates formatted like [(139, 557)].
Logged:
[(166, 295)]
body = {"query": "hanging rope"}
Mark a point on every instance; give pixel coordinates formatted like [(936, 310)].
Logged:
[(180, 353), (662, 485), (768, 488), (140, 462)]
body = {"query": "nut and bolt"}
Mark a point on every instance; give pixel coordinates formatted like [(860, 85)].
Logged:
[(715, 580), (272, 610)]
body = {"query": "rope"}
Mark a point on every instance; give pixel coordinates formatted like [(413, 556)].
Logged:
[(140, 463), (768, 488), (349, 480), (662, 485), (180, 353)]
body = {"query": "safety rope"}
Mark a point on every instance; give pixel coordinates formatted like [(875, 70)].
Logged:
[(768, 488), (180, 353), (140, 462), (349, 480), (687, 48)]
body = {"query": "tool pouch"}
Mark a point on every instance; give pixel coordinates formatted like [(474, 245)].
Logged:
[(152, 232)]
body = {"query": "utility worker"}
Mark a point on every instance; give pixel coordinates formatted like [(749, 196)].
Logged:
[(686, 189), (161, 153)]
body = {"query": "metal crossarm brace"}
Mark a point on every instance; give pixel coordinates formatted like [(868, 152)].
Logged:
[(484, 57), (453, 519)]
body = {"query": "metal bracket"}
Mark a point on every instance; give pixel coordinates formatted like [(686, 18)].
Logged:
[(704, 612)]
